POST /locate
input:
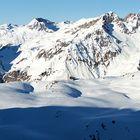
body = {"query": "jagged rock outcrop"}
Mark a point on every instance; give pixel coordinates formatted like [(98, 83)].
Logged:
[(16, 76)]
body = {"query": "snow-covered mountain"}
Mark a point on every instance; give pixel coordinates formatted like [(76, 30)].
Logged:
[(71, 80), (89, 48)]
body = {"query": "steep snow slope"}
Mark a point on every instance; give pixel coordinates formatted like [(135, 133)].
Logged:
[(82, 109), (86, 49)]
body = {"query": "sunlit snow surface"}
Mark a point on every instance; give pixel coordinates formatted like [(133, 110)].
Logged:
[(82, 49), (103, 109), (50, 106)]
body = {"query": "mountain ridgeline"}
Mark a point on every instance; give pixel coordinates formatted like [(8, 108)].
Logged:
[(86, 49)]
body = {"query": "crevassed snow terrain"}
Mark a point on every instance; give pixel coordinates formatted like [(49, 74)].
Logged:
[(71, 80)]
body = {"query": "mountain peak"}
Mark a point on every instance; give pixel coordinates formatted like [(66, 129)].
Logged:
[(42, 24), (110, 16), (46, 21), (8, 26), (132, 16)]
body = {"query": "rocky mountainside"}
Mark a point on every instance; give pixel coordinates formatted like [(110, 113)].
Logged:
[(89, 48)]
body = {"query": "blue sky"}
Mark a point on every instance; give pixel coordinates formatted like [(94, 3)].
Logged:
[(23, 11)]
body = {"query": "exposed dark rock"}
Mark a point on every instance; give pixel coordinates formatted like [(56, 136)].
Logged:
[(16, 76), (88, 24), (108, 18), (50, 53), (103, 126), (113, 121), (73, 78), (21, 60), (1, 78)]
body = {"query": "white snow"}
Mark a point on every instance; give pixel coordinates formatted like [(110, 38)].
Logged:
[(57, 107), (107, 108), (73, 50)]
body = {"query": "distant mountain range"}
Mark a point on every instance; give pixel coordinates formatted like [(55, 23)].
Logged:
[(89, 48)]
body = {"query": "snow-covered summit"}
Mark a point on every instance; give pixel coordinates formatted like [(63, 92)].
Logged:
[(110, 17), (42, 24), (7, 26)]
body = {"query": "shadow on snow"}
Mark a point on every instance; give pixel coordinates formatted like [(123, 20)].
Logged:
[(7, 55), (69, 123)]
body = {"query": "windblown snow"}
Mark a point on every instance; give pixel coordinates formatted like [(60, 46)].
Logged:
[(71, 80)]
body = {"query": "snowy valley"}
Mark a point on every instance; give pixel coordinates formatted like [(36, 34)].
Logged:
[(71, 80)]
